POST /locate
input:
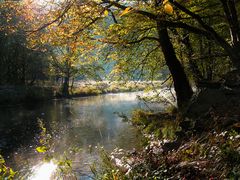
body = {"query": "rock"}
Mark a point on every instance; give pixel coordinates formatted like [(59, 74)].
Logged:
[(208, 99), (171, 146), (227, 93), (214, 108)]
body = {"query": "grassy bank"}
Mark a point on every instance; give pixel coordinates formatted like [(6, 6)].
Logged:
[(103, 87)]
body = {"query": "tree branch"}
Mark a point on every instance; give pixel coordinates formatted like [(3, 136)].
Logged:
[(208, 28), (53, 21), (142, 39), (185, 26), (87, 26), (145, 13)]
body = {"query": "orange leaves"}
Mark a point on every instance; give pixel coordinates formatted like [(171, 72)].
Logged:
[(167, 7), (73, 46), (126, 11)]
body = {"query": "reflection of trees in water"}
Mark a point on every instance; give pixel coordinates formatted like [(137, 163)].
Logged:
[(17, 128), (94, 121), (79, 122), (19, 125), (93, 116)]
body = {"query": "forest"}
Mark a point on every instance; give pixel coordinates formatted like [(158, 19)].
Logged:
[(149, 89)]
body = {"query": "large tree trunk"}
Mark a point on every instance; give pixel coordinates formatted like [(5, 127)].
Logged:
[(181, 83), (65, 88)]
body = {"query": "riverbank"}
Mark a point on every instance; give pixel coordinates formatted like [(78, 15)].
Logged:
[(12, 95), (104, 87), (202, 143)]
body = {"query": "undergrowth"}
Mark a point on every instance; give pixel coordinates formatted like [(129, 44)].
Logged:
[(173, 154)]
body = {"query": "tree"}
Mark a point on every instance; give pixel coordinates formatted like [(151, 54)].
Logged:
[(159, 33), (184, 17), (17, 61), (156, 23), (229, 8), (70, 49)]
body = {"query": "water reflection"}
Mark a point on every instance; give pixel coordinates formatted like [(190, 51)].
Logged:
[(77, 122), (43, 171)]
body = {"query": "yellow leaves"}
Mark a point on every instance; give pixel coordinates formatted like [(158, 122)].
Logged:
[(2, 161), (41, 149), (5, 172), (115, 176), (167, 7), (126, 11), (106, 13)]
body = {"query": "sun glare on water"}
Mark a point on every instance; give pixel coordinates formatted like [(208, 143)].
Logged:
[(43, 171)]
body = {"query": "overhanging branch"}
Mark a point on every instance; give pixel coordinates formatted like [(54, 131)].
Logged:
[(205, 26), (120, 6)]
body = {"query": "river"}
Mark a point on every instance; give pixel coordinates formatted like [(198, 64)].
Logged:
[(73, 123)]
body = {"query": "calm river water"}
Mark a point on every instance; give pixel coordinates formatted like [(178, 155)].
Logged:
[(80, 122)]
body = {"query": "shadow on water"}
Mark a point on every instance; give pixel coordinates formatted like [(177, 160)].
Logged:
[(18, 127)]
